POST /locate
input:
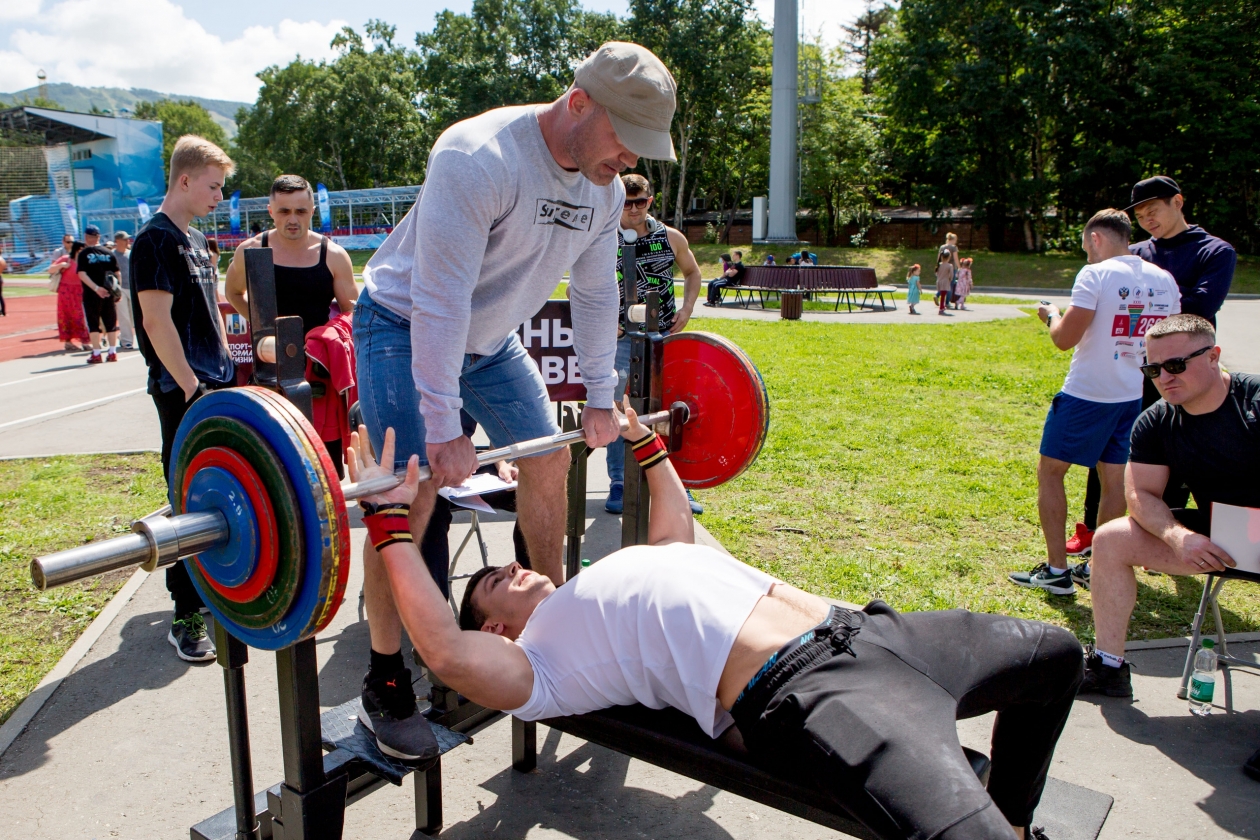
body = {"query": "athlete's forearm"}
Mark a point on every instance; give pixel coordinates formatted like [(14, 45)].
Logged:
[(669, 519)]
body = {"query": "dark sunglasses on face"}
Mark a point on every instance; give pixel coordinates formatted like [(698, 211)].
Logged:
[(1173, 366), (637, 203)]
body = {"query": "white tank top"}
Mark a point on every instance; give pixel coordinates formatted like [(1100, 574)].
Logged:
[(650, 625)]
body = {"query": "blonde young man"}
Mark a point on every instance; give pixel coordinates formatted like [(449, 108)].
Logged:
[(653, 247), (174, 293)]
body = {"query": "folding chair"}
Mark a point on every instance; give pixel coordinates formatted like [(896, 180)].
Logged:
[(474, 528), (1212, 586)]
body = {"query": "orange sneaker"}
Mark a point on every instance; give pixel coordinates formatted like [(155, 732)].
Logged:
[(1081, 543)]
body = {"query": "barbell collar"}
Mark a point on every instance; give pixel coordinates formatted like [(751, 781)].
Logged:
[(173, 538)]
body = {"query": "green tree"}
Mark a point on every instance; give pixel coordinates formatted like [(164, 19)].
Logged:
[(716, 50), (504, 52), (842, 161), (352, 122), (179, 118), (861, 35)]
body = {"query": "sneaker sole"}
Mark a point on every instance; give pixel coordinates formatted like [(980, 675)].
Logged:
[(1053, 590), (392, 753), (1084, 552), (170, 637)]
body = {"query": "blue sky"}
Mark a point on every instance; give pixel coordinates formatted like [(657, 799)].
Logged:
[(214, 49)]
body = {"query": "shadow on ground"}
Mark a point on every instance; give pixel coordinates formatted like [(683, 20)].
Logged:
[(1212, 748), (585, 795), (143, 662)]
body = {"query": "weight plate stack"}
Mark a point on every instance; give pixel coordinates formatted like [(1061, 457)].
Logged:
[(297, 498)]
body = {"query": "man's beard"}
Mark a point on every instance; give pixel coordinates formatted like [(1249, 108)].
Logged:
[(577, 145)]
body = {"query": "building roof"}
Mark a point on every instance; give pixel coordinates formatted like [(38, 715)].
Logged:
[(59, 126)]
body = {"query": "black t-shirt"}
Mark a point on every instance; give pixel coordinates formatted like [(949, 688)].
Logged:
[(740, 271), (1217, 455), (96, 262), (164, 259)]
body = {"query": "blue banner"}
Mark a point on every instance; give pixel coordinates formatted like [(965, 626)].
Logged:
[(145, 212), (325, 211), (73, 216), (236, 212)]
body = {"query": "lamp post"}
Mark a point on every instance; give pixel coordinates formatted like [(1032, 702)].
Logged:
[(783, 125)]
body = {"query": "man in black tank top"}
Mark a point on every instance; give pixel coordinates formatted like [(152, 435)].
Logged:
[(312, 272), (653, 248)]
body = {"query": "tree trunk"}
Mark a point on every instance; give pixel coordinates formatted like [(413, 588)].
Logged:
[(995, 219), (683, 148)]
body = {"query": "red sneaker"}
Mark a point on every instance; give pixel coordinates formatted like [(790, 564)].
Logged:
[(1082, 542), (112, 357), (95, 359)]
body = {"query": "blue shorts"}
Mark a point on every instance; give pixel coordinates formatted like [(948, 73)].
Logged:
[(1084, 432), (504, 392)]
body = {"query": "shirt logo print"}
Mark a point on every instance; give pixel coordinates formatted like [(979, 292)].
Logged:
[(562, 214)]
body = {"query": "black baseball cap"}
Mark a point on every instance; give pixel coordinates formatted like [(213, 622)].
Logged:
[(1160, 186), (91, 230)]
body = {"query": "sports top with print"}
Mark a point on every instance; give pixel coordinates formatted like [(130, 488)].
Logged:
[(655, 271)]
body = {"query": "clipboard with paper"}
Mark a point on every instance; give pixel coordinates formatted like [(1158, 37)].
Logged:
[(1237, 530)]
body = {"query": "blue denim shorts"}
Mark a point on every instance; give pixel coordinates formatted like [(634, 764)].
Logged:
[(1084, 432), (504, 392)]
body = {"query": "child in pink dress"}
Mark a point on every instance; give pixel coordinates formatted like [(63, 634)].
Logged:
[(964, 283)]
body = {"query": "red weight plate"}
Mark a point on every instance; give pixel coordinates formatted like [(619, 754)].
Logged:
[(268, 540), (729, 409), (339, 570)]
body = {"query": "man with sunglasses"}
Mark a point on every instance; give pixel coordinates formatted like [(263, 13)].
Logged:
[(1116, 298), (1204, 432), (653, 247)]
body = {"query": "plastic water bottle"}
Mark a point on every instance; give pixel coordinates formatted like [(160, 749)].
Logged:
[(1203, 680), (586, 562)]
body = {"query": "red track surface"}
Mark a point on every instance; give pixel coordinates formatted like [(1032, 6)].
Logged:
[(30, 328)]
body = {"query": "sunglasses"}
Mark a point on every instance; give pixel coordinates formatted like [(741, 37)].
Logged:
[(1173, 366), (637, 203)]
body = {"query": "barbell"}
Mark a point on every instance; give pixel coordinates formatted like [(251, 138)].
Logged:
[(259, 517)]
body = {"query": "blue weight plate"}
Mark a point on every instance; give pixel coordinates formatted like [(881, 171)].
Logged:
[(231, 563), (245, 405)]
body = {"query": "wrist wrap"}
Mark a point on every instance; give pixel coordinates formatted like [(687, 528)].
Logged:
[(389, 526), (649, 451)]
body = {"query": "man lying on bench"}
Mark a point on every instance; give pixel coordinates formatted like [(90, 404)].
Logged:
[(859, 702)]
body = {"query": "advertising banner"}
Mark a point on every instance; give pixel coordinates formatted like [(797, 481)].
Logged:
[(548, 339)]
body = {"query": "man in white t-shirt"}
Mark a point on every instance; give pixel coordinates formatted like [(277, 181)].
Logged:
[(1115, 300), (863, 702)]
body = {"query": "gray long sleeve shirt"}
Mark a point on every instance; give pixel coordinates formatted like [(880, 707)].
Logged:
[(495, 227)]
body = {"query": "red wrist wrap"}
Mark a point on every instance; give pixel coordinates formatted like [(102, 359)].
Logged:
[(387, 528), (649, 451)]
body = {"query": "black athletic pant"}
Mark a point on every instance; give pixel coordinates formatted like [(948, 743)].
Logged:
[(867, 711), (171, 408), (1176, 494), (435, 547)]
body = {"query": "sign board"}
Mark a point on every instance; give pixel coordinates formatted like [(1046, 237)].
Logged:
[(240, 348), (548, 339)]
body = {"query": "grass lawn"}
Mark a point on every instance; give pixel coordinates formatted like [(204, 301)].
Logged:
[(50, 504), (901, 465), (12, 291), (990, 269)]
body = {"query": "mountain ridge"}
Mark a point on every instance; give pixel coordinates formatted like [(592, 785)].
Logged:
[(83, 99)]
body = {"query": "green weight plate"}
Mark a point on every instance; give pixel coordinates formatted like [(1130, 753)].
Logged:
[(271, 606)]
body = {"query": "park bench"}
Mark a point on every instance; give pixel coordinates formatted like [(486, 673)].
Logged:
[(844, 281)]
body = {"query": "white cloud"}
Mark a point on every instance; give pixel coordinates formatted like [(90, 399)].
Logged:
[(151, 44), (19, 9)]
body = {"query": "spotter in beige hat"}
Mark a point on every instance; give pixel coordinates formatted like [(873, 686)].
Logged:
[(637, 92)]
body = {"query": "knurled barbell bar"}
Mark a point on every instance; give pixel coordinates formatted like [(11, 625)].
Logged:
[(260, 518)]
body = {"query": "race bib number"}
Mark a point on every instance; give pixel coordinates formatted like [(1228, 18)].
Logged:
[(1133, 326)]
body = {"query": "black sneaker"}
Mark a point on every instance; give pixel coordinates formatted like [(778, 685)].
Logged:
[(1041, 577), (1252, 766), (1101, 678), (1080, 574), (400, 730), (1036, 832), (191, 641)]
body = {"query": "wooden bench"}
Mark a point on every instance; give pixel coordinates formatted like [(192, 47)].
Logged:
[(845, 282)]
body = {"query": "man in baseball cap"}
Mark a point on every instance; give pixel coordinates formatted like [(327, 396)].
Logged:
[(513, 199), (638, 93)]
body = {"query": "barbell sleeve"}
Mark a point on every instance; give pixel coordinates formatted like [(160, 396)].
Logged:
[(157, 541), (161, 540)]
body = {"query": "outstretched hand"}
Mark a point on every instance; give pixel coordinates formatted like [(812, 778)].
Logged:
[(633, 430), (360, 464)]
